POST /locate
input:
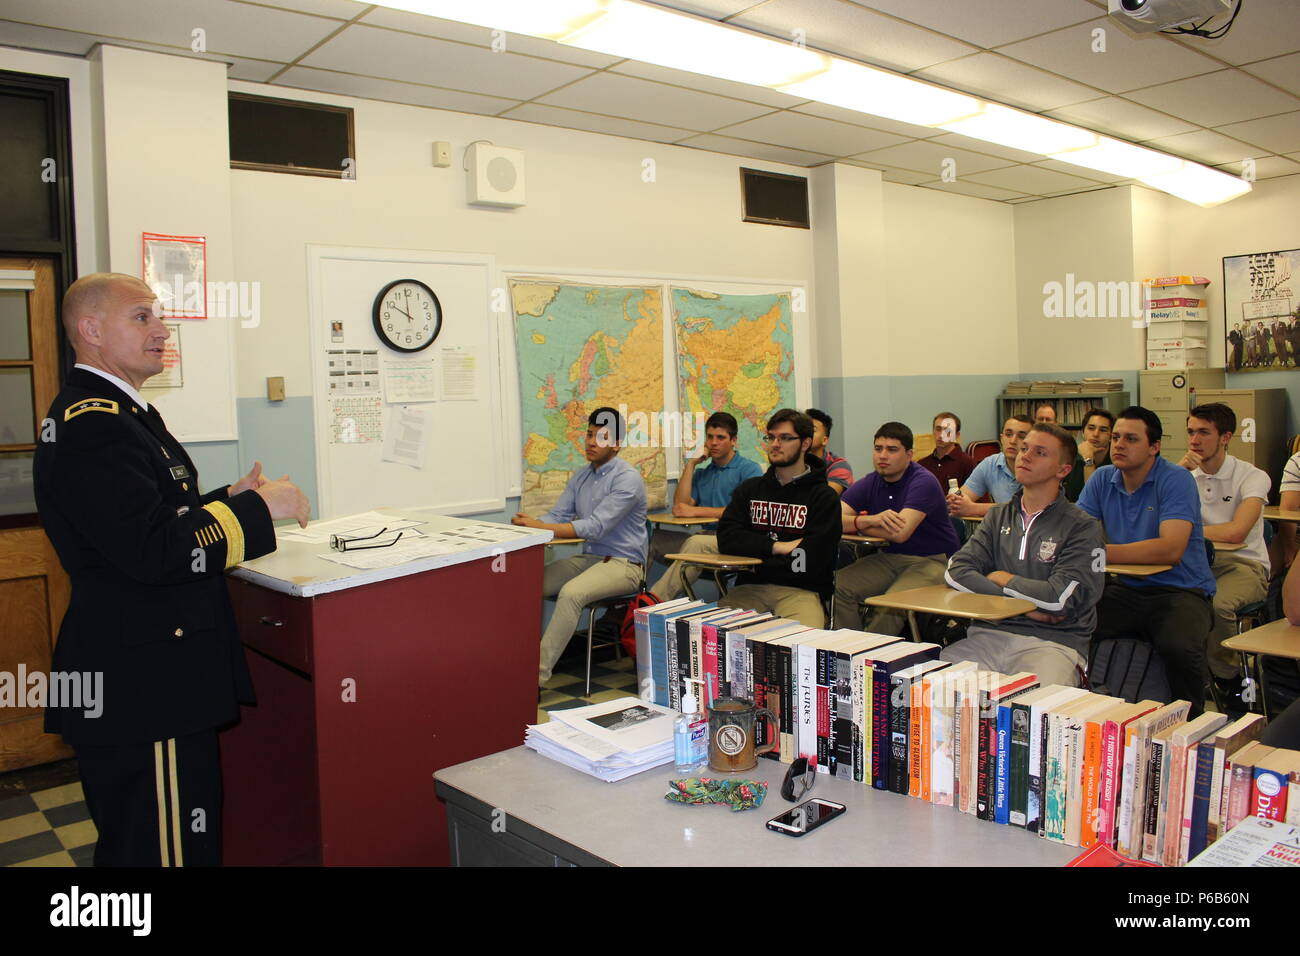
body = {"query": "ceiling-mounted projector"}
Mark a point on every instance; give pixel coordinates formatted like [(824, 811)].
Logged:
[(1147, 16)]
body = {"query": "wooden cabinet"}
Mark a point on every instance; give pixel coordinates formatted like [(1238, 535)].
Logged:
[(1070, 406)]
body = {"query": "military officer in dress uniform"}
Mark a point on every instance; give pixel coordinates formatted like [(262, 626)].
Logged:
[(119, 498)]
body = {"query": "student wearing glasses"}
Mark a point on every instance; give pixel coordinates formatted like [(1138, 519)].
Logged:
[(903, 503), (789, 517)]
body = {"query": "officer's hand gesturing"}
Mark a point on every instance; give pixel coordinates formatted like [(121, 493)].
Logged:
[(285, 500)]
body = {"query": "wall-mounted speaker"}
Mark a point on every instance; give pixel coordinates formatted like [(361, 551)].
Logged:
[(496, 175)]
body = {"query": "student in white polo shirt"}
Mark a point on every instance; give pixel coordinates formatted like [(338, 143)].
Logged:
[(1233, 494)]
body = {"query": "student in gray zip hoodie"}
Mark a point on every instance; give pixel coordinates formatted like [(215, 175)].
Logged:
[(1040, 547)]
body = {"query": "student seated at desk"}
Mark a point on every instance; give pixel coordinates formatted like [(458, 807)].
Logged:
[(1073, 484), (948, 461), (1233, 494), (1095, 447), (1289, 487), (995, 475), (1151, 513), (605, 504), (790, 518), (1040, 547), (839, 473), (903, 503), (701, 493)]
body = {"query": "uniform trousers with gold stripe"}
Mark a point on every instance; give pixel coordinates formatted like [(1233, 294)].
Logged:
[(155, 804)]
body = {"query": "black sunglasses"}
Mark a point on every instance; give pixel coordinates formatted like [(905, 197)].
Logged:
[(799, 779)]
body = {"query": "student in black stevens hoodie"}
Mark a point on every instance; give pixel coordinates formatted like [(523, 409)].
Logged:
[(789, 517)]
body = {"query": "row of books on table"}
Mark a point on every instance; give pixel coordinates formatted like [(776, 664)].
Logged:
[(1061, 762)]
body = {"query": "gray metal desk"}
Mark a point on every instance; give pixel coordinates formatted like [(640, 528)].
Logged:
[(546, 814)]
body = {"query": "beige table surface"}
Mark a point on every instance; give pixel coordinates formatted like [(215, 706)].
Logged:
[(1278, 639), (721, 561), (1275, 513), (1137, 570), (668, 518), (941, 599)]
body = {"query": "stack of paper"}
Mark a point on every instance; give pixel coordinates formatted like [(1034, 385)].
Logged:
[(610, 740)]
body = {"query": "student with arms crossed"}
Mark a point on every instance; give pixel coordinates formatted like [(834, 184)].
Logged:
[(1151, 514), (789, 517), (605, 504), (702, 492), (948, 461), (1233, 494), (1095, 447), (994, 476), (1040, 547), (839, 474), (901, 502)]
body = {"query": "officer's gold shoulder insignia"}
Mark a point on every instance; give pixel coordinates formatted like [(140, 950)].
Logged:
[(90, 405)]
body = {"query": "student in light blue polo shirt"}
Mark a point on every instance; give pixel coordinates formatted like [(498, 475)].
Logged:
[(1151, 512), (995, 475), (702, 492)]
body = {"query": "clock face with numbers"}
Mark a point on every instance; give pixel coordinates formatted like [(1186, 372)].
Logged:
[(408, 316)]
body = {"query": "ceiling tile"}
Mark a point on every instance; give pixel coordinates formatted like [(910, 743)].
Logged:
[(45, 38), (481, 36), (1079, 171), (1270, 167), (636, 99), (1265, 28), (1031, 179), (739, 147), (371, 51), (868, 120), (342, 9), (234, 28), (1283, 71), (992, 149), (926, 157), (1074, 192), (1280, 134), (714, 9), (988, 23), (707, 84), (391, 91), (904, 177), (967, 188), (1228, 96), (855, 32), (1206, 146), (1026, 199), (1123, 64), (1118, 117), (812, 133), (1008, 81), (573, 119)]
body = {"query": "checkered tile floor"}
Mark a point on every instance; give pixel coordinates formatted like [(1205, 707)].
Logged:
[(608, 680), (46, 828)]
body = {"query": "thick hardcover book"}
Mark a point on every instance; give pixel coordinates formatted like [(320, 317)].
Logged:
[(885, 662), (1272, 776), (1114, 766), (1226, 744), (1037, 753)]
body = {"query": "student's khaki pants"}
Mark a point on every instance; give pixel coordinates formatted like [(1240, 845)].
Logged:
[(575, 582), (1238, 582), (671, 585), (794, 603), (875, 574)]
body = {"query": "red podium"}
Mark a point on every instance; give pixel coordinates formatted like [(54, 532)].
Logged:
[(368, 682)]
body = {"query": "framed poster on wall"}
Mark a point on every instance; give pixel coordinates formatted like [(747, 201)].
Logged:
[(1261, 311)]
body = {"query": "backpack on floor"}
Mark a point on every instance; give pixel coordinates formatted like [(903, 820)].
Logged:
[(1127, 668), (627, 632)]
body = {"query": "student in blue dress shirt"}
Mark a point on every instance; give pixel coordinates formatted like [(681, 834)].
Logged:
[(702, 492), (995, 475), (1151, 512), (603, 503)]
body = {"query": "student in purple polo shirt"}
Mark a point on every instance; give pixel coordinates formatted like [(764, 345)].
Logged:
[(903, 503)]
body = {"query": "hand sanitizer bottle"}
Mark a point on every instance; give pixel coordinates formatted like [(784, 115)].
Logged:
[(952, 487), (690, 734)]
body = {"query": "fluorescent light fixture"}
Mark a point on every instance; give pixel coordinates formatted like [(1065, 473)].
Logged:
[(1120, 159), (881, 93), (1199, 184), (1021, 130), (551, 19), (667, 38)]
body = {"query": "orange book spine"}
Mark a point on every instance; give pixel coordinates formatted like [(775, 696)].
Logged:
[(1090, 818), (927, 702), (914, 740)]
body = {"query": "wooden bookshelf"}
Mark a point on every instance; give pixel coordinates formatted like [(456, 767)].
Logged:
[(1070, 406)]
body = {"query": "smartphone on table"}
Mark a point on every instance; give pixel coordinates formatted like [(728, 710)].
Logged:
[(806, 817)]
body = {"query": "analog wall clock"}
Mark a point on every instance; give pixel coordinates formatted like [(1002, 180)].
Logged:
[(407, 315)]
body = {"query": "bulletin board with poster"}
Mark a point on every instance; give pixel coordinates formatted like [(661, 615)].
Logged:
[(1261, 306)]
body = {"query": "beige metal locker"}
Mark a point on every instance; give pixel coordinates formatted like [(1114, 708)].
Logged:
[(1170, 393)]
